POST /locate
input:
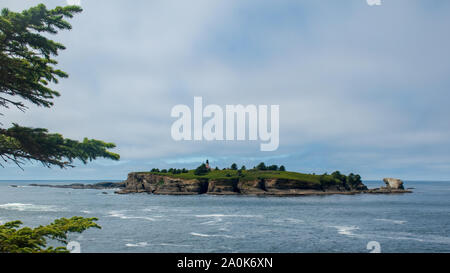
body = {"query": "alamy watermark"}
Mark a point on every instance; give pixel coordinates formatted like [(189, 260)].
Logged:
[(74, 247), (233, 128), (374, 247)]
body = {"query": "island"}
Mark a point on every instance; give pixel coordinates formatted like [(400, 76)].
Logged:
[(261, 181)]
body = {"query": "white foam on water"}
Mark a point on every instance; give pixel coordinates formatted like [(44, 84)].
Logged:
[(167, 244), (227, 215), (140, 244), (346, 230), (218, 218), (29, 207), (144, 244), (121, 215), (213, 222), (210, 235), (398, 222)]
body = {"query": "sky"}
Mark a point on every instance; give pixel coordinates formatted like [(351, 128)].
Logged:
[(362, 89)]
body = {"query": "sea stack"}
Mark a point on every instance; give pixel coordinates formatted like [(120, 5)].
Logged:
[(394, 183)]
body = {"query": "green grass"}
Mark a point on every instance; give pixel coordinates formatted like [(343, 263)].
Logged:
[(247, 175)]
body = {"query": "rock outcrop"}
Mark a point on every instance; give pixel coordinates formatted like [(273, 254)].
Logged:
[(164, 184), (394, 183), (393, 186)]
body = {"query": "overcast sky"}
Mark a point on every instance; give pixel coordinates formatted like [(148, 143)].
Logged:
[(363, 89)]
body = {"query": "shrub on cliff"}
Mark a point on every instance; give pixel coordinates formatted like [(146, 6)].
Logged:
[(353, 179), (327, 180), (201, 170)]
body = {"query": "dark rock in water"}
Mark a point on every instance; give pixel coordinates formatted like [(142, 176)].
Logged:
[(385, 190), (104, 192), (13, 186), (79, 186)]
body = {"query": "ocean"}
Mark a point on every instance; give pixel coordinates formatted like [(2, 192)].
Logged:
[(417, 222)]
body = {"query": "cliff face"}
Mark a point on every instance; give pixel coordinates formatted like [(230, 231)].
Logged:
[(160, 184)]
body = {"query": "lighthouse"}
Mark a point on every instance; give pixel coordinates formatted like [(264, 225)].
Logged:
[(207, 164)]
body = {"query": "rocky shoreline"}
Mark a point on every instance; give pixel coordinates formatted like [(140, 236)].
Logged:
[(166, 185)]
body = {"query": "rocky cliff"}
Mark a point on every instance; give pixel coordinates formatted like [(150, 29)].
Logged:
[(164, 184)]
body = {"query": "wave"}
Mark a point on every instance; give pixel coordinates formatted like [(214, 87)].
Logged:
[(168, 244), (144, 244), (141, 244), (227, 215), (210, 235), (399, 222), (29, 207), (218, 219), (121, 215), (346, 230), (212, 222)]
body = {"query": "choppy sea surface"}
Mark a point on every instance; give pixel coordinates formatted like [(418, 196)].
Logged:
[(417, 222)]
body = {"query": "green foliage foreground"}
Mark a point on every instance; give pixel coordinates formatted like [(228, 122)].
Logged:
[(28, 73), (34, 240)]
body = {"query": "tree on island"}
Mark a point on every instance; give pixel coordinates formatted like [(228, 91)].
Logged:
[(261, 166), (234, 167), (202, 170), (27, 69)]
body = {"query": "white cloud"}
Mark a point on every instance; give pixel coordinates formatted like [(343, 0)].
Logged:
[(346, 76)]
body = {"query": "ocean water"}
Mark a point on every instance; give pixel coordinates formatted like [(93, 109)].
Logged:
[(417, 222)]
